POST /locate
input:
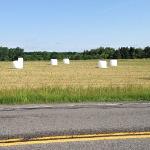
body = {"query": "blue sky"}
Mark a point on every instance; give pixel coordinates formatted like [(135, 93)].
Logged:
[(74, 25)]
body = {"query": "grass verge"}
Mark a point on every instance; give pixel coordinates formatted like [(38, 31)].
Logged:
[(74, 95)]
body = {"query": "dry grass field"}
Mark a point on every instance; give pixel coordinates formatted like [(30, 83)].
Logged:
[(39, 82), (77, 74)]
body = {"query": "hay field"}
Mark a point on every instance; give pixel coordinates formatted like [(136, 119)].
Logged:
[(81, 81), (78, 74)]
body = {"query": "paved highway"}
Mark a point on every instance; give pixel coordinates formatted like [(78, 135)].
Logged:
[(33, 121)]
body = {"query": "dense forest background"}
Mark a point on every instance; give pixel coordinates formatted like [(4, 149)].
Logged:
[(9, 54)]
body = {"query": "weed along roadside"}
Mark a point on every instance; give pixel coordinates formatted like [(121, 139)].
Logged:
[(72, 95)]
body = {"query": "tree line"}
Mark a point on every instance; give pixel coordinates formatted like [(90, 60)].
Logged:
[(10, 54)]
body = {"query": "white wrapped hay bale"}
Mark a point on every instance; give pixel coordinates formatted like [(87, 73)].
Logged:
[(54, 62), (17, 65), (66, 61), (102, 64), (113, 63), (20, 61)]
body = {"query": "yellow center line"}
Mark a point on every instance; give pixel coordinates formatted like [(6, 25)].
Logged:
[(93, 135), (75, 138), (10, 140)]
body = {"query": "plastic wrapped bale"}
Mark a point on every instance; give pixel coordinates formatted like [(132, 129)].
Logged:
[(102, 64), (20, 61), (17, 65), (66, 61), (14, 63), (113, 63), (54, 62)]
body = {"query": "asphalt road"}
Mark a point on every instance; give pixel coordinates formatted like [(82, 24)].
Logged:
[(70, 119)]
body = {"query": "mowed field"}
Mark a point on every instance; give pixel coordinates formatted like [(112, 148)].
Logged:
[(78, 76)]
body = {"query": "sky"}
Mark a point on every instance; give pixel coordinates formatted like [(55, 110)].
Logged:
[(74, 25)]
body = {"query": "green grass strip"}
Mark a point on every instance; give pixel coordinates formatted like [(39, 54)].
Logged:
[(74, 95)]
